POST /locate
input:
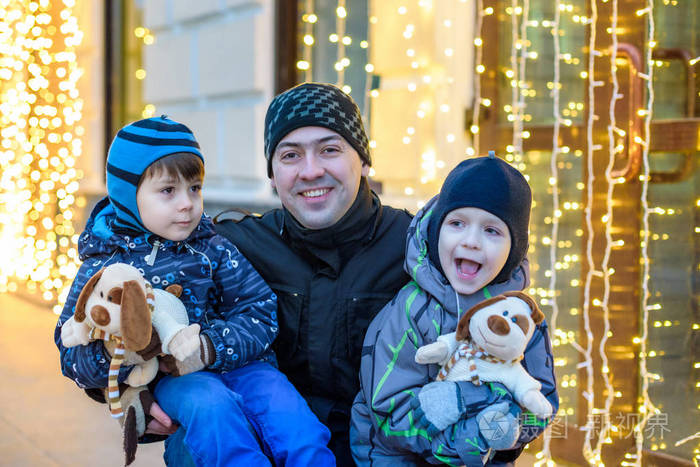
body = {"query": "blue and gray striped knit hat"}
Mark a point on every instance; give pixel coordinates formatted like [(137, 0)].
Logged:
[(314, 104), (135, 147)]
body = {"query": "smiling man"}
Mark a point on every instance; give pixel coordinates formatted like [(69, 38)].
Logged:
[(332, 254)]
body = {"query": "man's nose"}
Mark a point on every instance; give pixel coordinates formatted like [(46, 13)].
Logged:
[(312, 168)]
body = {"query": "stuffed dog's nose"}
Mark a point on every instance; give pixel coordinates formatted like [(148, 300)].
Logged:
[(100, 315), (498, 325)]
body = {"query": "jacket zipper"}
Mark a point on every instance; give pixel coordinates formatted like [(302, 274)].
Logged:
[(151, 259)]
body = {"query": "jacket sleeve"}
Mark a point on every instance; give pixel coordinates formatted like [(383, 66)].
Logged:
[(87, 365), (246, 320)]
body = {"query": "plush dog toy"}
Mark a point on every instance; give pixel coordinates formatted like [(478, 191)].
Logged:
[(119, 306), (488, 346)]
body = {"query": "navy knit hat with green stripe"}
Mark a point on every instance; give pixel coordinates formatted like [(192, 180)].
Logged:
[(491, 184), (137, 146)]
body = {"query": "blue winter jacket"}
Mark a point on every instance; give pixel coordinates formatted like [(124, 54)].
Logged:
[(383, 430), (221, 291)]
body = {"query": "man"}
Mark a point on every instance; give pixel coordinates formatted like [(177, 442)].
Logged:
[(333, 253)]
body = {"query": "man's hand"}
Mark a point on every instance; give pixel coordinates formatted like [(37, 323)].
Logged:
[(161, 423)]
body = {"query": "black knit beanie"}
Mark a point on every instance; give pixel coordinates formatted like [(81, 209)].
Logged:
[(491, 184), (314, 104)]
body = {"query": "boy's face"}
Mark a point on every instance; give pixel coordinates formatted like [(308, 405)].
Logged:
[(473, 247), (170, 207), (317, 174)]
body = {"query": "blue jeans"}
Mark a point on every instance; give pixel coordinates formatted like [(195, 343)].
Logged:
[(250, 416)]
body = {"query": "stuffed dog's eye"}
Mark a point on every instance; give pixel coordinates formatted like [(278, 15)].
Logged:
[(514, 319), (522, 322), (102, 295), (505, 313)]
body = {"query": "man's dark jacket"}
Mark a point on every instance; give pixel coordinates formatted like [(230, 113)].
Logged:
[(329, 283)]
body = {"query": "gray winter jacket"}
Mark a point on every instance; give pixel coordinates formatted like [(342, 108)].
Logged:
[(383, 430)]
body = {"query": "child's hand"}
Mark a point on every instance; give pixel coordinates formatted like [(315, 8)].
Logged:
[(185, 343), (203, 357), (499, 425), (439, 405)]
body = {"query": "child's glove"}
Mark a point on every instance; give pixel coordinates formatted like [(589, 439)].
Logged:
[(499, 425), (439, 405), (195, 362)]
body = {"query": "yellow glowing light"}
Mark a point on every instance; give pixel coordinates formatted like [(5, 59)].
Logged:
[(303, 65), (309, 39), (37, 153)]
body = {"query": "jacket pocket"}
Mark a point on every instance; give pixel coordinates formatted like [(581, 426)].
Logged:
[(361, 309), (290, 304)]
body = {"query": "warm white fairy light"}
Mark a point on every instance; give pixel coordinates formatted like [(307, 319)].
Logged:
[(40, 142), (545, 455), (513, 76), (606, 426), (646, 408), (342, 61), (589, 394), (479, 68), (309, 20)]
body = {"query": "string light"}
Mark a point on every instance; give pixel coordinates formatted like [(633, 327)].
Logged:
[(606, 426), (646, 408), (589, 393), (309, 20), (40, 141)]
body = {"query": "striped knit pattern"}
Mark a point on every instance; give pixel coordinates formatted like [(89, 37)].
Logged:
[(135, 147), (115, 405), (466, 350)]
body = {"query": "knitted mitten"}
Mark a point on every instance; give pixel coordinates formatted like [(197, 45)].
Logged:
[(499, 425), (438, 406)]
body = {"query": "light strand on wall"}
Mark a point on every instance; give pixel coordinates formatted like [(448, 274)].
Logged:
[(342, 61), (589, 394), (479, 70), (522, 84), (646, 408), (514, 75), (606, 426), (40, 142), (545, 455), (309, 19)]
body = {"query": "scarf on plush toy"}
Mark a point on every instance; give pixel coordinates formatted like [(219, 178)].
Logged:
[(115, 405), (468, 351)]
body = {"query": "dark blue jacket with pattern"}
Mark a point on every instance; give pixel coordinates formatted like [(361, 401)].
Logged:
[(221, 291)]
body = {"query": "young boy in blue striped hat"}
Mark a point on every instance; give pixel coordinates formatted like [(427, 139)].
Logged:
[(153, 219)]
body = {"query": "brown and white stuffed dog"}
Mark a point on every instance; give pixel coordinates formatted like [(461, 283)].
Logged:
[(119, 306), (489, 344)]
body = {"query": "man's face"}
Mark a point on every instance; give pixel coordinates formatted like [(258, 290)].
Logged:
[(170, 207), (317, 175), (473, 248)]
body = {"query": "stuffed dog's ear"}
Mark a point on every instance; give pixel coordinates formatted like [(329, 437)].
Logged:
[(84, 295), (136, 317), (463, 325), (535, 312)]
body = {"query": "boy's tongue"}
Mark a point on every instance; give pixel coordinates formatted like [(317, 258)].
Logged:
[(467, 267)]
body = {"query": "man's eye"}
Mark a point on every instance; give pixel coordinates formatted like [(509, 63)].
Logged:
[(330, 150), (289, 156)]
